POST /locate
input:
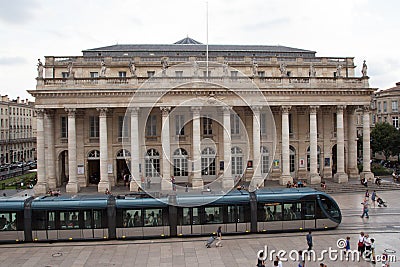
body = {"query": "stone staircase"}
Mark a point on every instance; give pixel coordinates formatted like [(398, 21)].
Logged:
[(355, 186)]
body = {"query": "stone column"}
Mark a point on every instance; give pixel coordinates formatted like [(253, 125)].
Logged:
[(41, 186), (166, 148), (227, 179), (285, 176), (258, 180), (51, 164), (340, 176), (352, 142), (104, 181), (135, 149), (366, 173), (197, 180), (314, 177), (73, 185)]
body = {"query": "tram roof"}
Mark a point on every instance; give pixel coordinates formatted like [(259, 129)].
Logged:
[(13, 203), (70, 202), (287, 194)]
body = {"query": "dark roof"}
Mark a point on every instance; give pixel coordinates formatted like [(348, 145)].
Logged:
[(187, 40)]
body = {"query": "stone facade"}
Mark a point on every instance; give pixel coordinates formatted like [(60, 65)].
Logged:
[(90, 132), (18, 130)]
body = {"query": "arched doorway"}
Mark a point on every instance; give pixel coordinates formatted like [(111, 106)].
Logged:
[(181, 165), (63, 167), (152, 163), (123, 159), (318, 159), (237, 162), (208, 164), (94, 166)]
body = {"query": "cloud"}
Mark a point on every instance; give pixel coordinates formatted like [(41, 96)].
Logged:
[(262, 25), (18, 11), (12, 61)]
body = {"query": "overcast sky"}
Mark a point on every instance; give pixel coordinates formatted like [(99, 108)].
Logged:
[(32, 29)]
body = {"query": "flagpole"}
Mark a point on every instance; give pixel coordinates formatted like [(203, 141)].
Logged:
[(207, 40)]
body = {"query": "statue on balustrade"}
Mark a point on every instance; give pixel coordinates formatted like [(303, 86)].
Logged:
[(40, 69), (313, 73), (255, 68), (339, 71), (282, 68), (364, 69), (103, 69), (132, 68), (69, 69), (225, 68), (165, 65), (195, 69)]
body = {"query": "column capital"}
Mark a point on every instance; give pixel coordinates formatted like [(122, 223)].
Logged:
[(40, 113), (71, 112), (134, 111), (313, 109), (366, 108), (340, 108), (351, 109), (196, 110), (50, 113), (165, 110), (103, 111), (256, 108), (285, 109), (226, 109)]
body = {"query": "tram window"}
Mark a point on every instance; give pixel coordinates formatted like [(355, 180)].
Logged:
[(8, 221), (153, 217), (213, 214), (238, 214), (98, 219), (232, 214), (186, 220), (196, 216), (269, 212), (51, 220), (87, 219), (292, 211), (132, 218), (68, 220), (330, 208), (39, 220), (308, 211)]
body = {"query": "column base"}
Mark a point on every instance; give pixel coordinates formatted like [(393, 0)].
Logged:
[(166, 185), (341, 178), (102, 186), (40, 189), (227, 183), (284, 179), (72, 187), (353, 173), (133, 186), (314, 178), (327, 173), (197, 183), (52, 183), (367, 175), (256, 182)]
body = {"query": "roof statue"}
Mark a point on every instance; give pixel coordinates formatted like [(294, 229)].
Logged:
[(255, 68), (40, 68), (282, 68), (132, 68), (364, 69), (103, 69)]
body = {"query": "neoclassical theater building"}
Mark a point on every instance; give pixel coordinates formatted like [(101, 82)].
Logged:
[(200, 114)]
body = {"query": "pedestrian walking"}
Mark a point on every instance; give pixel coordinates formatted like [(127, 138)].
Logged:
[(373, 197), (365, 209), (367, 243), (277, 262), (360, 244), (219, 237), (347, 248), (302, 261), (367, 194), (373, 259), (309, 241), (260, 260)]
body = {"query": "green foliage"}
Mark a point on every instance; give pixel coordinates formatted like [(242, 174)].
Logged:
[(385, 138), (379, 170), (14, 182)]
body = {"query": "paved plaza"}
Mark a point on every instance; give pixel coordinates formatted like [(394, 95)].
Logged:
[(383, 225)]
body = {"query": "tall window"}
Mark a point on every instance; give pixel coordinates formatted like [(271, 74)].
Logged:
[(150, 74), (379, 107), (152, 163), (122, 74), (235, 126), (264, 160), (180, 162), (179, 125), (395, 122), (318, 158), (234, 74), (94, 74), (123, 127), (261, 73), (237, 161), (65, 75), (290, 124), (64, 127), (292, 158), (207, 125), (151, 129), (178, 73), (384, 107), (208, 161), (395, 106), (334, 122), (263, 123), (94, 126)]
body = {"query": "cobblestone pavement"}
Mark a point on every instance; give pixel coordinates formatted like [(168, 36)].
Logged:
[(383, 225)]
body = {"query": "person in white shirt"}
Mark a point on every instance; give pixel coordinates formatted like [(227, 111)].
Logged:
[(367, 243)]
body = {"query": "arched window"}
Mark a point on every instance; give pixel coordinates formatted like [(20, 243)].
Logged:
[(318, 158), (237, 161), (292, 158), (180, 162), (94, 154), (208, 161), (264, 160), (152, 163), (123, 154)]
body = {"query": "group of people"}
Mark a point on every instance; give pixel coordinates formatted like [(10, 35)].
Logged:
[(374, 198), (366, 247), (297, 184), (54, 193)]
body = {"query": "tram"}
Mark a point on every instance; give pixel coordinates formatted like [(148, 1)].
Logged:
[(138, 216)]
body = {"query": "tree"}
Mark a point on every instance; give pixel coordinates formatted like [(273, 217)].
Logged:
[(385, 138)]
